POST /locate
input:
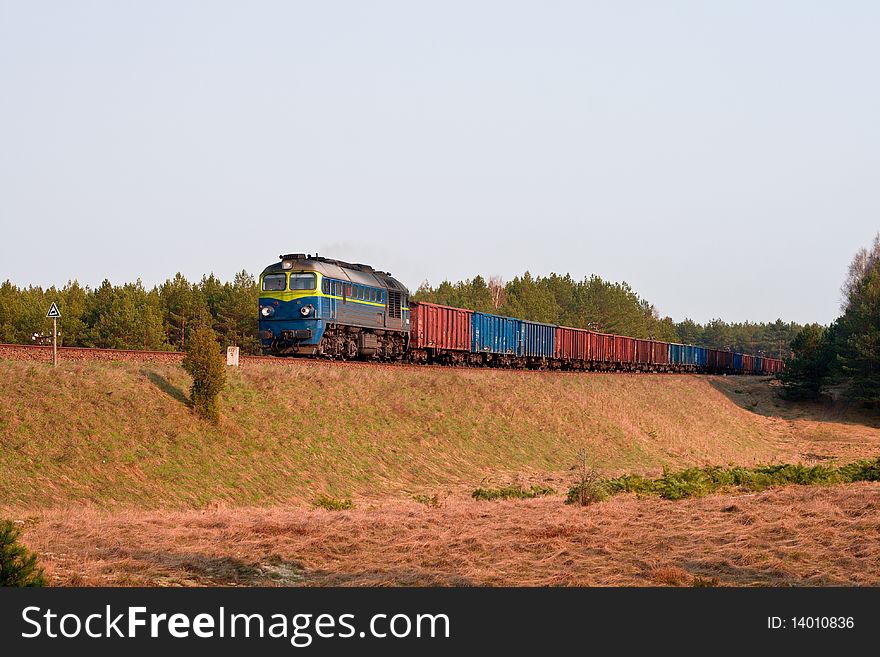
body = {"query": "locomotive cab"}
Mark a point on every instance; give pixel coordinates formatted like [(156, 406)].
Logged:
[(290, 309)]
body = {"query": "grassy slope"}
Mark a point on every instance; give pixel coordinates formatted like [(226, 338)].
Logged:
[(121, 433)]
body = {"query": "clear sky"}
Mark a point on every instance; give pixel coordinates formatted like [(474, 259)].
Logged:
[(723, 158)]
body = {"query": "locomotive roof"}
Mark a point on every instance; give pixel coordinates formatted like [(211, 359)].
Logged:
[(346, 271)]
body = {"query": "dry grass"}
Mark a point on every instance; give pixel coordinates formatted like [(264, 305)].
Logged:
[(116, 482), (825, 430), (796, 535), (121, 434)]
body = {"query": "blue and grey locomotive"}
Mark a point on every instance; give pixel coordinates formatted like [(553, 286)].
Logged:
[(318, 306)]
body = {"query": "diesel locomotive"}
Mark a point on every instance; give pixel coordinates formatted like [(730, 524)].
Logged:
[(315, 306)]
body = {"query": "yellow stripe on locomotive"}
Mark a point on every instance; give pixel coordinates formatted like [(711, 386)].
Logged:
[(319, 288)]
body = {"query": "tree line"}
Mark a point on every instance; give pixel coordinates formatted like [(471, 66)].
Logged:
[(845, 355), (605, 306), (130, 316)]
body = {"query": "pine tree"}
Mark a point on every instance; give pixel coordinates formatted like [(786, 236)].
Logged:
[(689, 332), (807, 372), (184, 307), (233, 309), (10, 309), (204, 363), (72, 304), (18, 566), (858, 341)]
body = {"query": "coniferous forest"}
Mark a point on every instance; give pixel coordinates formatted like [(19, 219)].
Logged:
[(133, 316), (844, 357)]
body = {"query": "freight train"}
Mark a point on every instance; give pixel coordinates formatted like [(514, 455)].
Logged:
[(319, 307)]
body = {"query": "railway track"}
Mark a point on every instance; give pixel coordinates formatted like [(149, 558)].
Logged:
[(43, 354)]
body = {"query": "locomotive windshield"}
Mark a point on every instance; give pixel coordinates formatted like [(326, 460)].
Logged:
[(302, 281), (274, 282)]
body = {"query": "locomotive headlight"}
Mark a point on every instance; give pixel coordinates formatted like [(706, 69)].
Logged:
[(267, 311), (305, 310)]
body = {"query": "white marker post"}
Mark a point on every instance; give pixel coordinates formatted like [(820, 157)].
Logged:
[(55, 315)]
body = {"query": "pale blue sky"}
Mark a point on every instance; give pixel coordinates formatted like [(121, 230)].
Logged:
[(722, 158)]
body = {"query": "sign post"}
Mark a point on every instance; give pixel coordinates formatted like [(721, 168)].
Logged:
[(55, 315)]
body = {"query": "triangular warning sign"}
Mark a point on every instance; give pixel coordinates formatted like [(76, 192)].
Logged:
[(53, 312)]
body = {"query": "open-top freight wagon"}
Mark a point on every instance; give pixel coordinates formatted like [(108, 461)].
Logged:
[(440, 334)]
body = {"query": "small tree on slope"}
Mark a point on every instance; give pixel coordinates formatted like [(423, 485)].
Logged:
[(18, 567), (204, 363)]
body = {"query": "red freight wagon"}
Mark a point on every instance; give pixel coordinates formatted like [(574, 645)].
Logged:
[(624, 349), (573, 344), (712, 359), (771, 365), (719, 360), (439, 327), (604, 348), (660, 353), (728, 359), (643, 351)]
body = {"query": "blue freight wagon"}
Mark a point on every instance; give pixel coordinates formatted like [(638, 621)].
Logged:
[(537, 340), (681, 355), (687, 355), (493, 334), (737, 362)]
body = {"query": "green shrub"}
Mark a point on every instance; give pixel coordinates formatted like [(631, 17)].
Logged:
[(510, 493), (629, 484), (588, 492), (205, 364), (18, 566), (861, 471), (696, 482), (332, 503), (591, 486), (428, 500)]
